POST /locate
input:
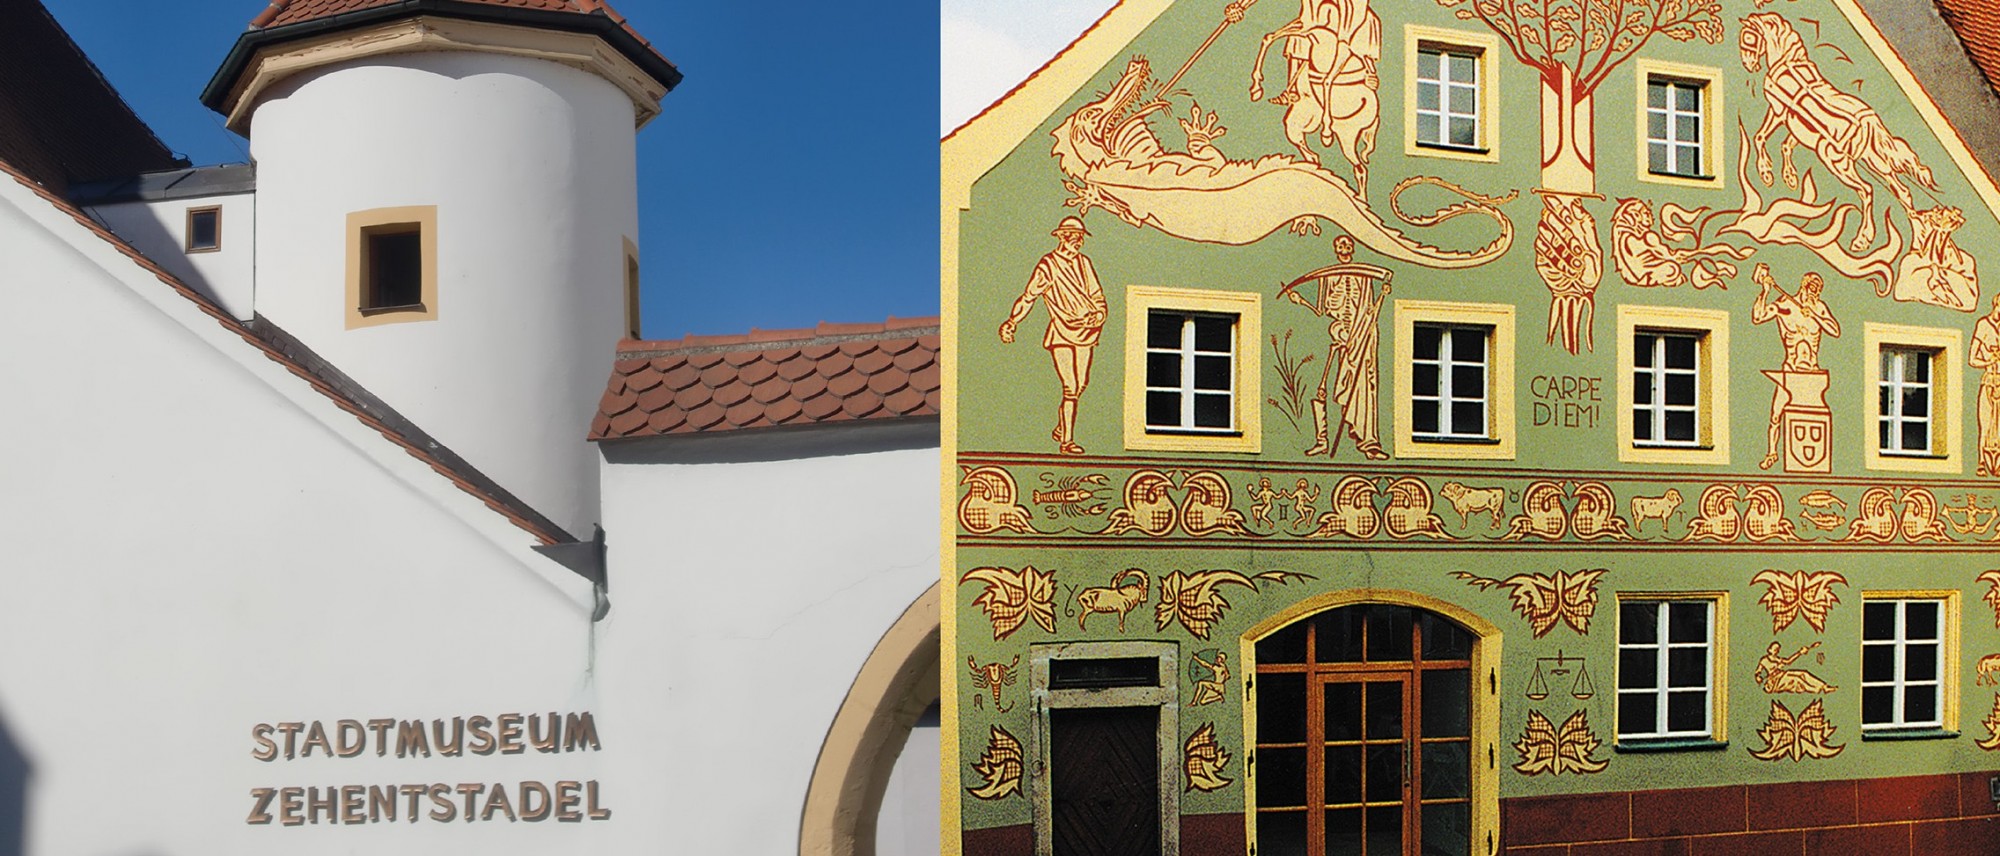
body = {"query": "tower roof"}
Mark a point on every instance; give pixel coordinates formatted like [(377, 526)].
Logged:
[(284, 22)]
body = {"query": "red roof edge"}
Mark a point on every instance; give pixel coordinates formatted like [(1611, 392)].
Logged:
[(208, 307), (759, 336)]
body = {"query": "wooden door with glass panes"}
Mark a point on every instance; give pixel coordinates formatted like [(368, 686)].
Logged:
[(1364, 737)]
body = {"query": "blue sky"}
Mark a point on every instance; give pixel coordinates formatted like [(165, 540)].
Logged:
[(790, 179)]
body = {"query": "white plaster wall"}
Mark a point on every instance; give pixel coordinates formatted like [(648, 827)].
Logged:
[(198, 543), (531, 167), (748, 586), (159, 229)]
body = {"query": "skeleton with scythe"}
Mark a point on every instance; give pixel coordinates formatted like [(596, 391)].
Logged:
[(1348, 300)]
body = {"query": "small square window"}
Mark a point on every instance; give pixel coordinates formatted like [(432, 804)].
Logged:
[(1448, 97), (204, 229), (1666, 388), (1190, 372), (1903, 668), (1904, 402), (1666, 669), (391, 265), (1675, 127), (1450, 385)]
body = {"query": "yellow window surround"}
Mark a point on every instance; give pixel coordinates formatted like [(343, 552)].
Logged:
[(1248, 393), (1712, 328), (1947, 398), (1501, 420), (1484, 45), (1714, 150)]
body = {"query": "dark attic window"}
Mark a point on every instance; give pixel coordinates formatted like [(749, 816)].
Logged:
[(392, 265), (204, 229)]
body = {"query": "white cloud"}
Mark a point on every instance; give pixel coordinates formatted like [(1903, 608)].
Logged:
[(986, 47)]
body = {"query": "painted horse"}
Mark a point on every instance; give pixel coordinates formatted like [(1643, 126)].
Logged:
[(1331, 51), (1841, 129)]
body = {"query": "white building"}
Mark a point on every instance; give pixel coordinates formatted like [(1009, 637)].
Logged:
[(333, 536)]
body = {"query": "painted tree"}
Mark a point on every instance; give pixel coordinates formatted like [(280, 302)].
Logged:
[(1575, 45)]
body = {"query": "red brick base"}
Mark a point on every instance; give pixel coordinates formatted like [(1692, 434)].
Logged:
[(1906, 816)]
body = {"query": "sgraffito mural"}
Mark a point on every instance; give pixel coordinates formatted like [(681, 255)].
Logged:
[(1272, 149)]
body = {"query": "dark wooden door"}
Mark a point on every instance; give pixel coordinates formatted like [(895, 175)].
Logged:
[(1104, 785)]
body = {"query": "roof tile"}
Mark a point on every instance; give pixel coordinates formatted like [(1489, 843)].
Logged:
[(1978, 25), (830, 373)]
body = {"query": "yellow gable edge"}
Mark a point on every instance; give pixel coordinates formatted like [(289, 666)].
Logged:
[(1941, 127), (964, 155)]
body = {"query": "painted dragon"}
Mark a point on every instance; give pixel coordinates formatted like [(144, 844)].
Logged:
[(1112, 159)]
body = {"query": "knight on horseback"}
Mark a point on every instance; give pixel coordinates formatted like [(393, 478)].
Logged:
[(1331, 51)]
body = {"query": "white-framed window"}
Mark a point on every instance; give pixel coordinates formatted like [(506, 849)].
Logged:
[(1451, 381), (1666, 668), (1675, 127), (1666, 388), (1448, 113), (1904, 402), (1903, 662), (1195, 382), (1190, 372), (1453, 395), (1680, 140)]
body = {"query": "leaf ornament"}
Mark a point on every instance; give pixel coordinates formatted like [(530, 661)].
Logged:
[(1013, 598)]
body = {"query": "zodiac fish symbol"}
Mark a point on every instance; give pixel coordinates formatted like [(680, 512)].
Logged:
[(1807, 594), (1353, 511), (992, 676), (1545, 601), (1805, 735), (1819, 505), (991, 503), (1203, 760), (1547, 749), (1000, 765)]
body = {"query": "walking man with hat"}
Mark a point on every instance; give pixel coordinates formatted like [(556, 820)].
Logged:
[(1066, 283)]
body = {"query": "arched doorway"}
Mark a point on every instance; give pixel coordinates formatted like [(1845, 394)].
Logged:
[(1372, 719), (896, 687)]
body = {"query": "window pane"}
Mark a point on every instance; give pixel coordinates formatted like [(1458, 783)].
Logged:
[(1468, 418), (1163, 408), (1342, 705), (1642, 349), (1468, 381), (1211, 411), (1214, 333), (1680, 390), (1424, 379), (1425, 341), (1920, 704), (1916, 402), (1884, 434), (1878, 705), (1281, 708), (201, 230), (1687, 129), (1638, 713), (1211, 373), (1427, 128), (1916, 437), (1878, 620), (1462, 101), (1342, 773), (1680, 352), (1464, 133), (1464, 68), (1917, 367), (1878, 662), (1689, 161), (1638, 623), (1447, 703), (1920, 663), (1446, 772), (1687, 667), (1447, 829), (1163, 369), (1687, 622), (1343, 831), (1642, 387), (1339, 633), (1687, 99), (1385, 711), (1680, 426), (1385, 773), (1163, 330), (1280, 832), (1283, 782), (1445, 640), (1638, 668), (1920, 620), (1687, 712), (1656, 156), (1428, 63), (1468, 345), (1424, 417), (1285, 646), (1388, 633), (1385, 829), (1642, 425), (1656, 94)]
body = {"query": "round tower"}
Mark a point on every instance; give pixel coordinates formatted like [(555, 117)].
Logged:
[(446, 214)]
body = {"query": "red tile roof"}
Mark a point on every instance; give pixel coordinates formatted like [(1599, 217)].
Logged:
[(1978, 25), (768, 378), (528, 520), (283, 12)]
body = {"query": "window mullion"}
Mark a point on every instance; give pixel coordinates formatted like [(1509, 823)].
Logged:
[(1187, 371)]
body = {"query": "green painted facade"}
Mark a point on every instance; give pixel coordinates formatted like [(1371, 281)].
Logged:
[(1880, 530)]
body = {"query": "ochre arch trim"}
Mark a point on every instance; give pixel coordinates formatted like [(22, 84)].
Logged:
[(898, 680), (1485, 695)]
